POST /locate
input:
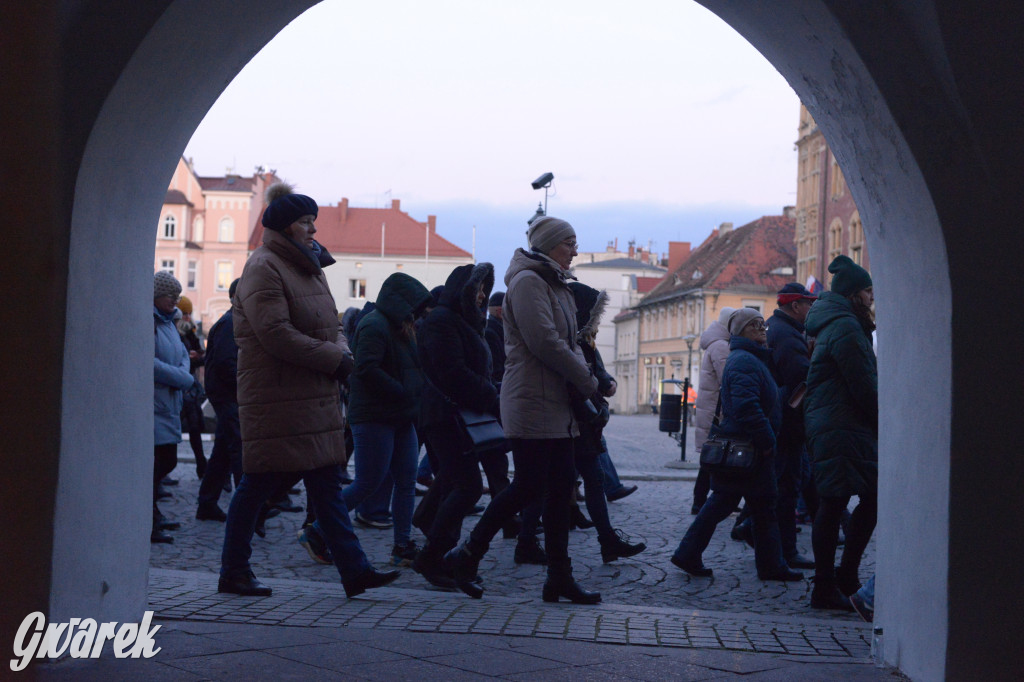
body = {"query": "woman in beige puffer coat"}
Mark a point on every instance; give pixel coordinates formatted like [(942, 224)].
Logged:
[(543, 366)]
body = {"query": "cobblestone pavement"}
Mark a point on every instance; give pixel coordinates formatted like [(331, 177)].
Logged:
[(658, 513)]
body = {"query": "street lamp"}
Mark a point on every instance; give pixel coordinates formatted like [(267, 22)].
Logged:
[(689, 339)]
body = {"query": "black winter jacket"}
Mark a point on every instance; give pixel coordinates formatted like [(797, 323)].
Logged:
[(222, 361), (454, 355), (387, 381), (494, 334), (791, 358)]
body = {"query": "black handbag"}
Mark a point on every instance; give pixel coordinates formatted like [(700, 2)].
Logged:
[(481, 431), (730, 456)]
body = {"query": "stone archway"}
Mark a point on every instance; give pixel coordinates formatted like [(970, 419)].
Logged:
[(917, 99)]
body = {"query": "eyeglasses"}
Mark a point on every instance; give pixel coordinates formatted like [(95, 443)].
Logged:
[(757, 326), (571, 244)]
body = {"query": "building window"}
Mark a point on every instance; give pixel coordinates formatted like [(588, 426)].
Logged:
[(838, 182), (170, 230), (225, 274), (835, 239), (226, 230), (756, 305), (191, 276), (357, 288), (856, 239), (168, 265), (197, 229)]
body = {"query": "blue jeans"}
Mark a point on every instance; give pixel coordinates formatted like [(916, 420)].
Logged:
[(611, 476), (867, 592), (324, 488), (767, 548), (380, 449), (378, 505), (226, 457)]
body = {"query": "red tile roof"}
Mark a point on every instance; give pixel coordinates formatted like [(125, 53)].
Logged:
[(741, 259), (342, 229), (231, 183)]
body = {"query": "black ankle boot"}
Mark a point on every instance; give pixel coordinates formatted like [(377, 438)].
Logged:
[(430, 564), (560, 583), (529, 551), (579, 519), (620, 548), (463, 566), (826, 595), (847, 580)]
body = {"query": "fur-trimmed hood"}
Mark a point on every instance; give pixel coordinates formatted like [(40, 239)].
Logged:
[(590, 306), (459, 293)]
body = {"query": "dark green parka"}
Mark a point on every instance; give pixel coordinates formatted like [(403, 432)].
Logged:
[(387, 380), (841, 404)]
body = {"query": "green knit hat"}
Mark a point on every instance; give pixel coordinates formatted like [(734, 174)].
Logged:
[(847, 277)]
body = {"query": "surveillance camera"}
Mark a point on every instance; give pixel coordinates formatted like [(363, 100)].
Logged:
[(543, 180)]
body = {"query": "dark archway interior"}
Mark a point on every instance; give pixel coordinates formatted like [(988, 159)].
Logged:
[(919, 100)]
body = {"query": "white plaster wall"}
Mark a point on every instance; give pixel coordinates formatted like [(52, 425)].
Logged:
[(101, 556), (375, 271)]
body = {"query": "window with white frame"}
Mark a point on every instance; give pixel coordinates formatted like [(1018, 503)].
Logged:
[(190, 278), (170, 227), (225, 274), (357, 288), (756, 305), (226, 229), (167, 264)]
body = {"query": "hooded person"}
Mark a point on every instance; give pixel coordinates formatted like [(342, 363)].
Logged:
[(384, 404), (171, 377), (544, 359), (457, 364), (494, 333), (291, 357), (841, 423), (714, 343)]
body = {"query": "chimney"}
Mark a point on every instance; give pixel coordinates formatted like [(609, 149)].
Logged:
[(343, 206), (724, 228), (432, 224), (632, 251), (678, 253), (789, 211), (395, 205)]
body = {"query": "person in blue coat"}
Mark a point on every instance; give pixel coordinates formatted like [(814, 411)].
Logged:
[(752, 410), (171, 376)]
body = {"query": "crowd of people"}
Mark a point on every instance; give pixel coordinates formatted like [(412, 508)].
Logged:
[(297, 389), (803, 388)]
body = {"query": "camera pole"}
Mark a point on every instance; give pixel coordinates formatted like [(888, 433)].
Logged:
[(686, 414)]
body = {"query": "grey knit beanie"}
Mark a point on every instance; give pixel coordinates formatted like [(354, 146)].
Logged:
[(546, 233), (723, 317), (741, 318), (165, 284)]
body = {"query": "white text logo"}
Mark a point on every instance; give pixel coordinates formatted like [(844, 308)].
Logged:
[(81, 638)]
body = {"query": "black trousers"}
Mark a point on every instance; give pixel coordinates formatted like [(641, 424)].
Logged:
[(825, 535), (165, 458), (455, 490), (544, 471)]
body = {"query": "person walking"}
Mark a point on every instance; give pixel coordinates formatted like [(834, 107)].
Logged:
[(384, 405), (457, 364), (751, 410), (291, 357), (791, 358), (222, 390), (714, 342), (543, 361), (192, 409), (841, 420), (171, 377)]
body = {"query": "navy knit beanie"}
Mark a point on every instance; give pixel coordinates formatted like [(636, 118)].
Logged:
[(285, 207), (496, 299), (847, 277)]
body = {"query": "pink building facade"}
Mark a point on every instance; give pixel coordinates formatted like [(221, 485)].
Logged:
[(202, 236)]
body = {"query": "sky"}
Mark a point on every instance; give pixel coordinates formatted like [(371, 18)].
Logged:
[(657, 119)]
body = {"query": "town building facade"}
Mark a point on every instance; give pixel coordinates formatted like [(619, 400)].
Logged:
[(202, 236), (827, 220), (741, 267)]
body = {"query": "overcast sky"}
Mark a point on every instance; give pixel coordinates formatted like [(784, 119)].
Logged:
[(658, 120)]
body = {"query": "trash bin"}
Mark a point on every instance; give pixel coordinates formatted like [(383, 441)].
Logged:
[(671, 414)]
